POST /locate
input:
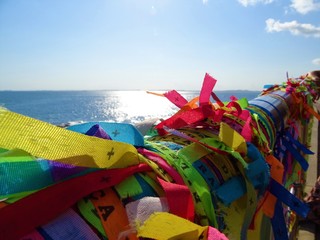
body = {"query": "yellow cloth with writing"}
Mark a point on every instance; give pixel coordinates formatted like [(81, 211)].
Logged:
[(47, 141), (232, 138), (165, 226)]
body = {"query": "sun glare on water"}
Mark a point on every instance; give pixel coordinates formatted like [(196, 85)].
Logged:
[(136, 106)]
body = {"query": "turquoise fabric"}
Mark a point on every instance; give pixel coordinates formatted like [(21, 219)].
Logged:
[(121, 132)]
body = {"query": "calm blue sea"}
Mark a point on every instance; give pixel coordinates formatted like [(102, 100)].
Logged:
[(58, 107)]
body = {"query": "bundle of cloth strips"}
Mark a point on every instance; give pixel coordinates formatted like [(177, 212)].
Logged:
[(213, 170)]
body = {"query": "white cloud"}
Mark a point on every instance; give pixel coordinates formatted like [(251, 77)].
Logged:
[(305, 6), (254, 2), (293, 27), (316, 61), (204, 1)]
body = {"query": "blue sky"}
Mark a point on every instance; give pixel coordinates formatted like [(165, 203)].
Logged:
[(149, 44)]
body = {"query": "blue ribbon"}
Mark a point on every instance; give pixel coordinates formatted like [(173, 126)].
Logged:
[(289, 199), (231, 190), (278, 223), (298, 144), (279, 113), (301, 160), (122, 132), (258, 170)]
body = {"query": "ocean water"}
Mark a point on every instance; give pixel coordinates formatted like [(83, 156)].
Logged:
[(59, 107)]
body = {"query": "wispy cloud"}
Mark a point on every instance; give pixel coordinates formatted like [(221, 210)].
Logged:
[(316, 61), (293, 27), (204, 1), (305, 6), (254, 2)]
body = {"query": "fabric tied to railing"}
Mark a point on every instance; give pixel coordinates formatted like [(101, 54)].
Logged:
[(211, 171)]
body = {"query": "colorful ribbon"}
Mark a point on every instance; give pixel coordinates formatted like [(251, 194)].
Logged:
[(210, 167)]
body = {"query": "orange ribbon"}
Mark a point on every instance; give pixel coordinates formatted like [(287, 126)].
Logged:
[(112, 214)]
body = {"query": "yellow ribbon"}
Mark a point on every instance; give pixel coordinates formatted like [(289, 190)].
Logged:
[(165, 226), (47, 141)]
